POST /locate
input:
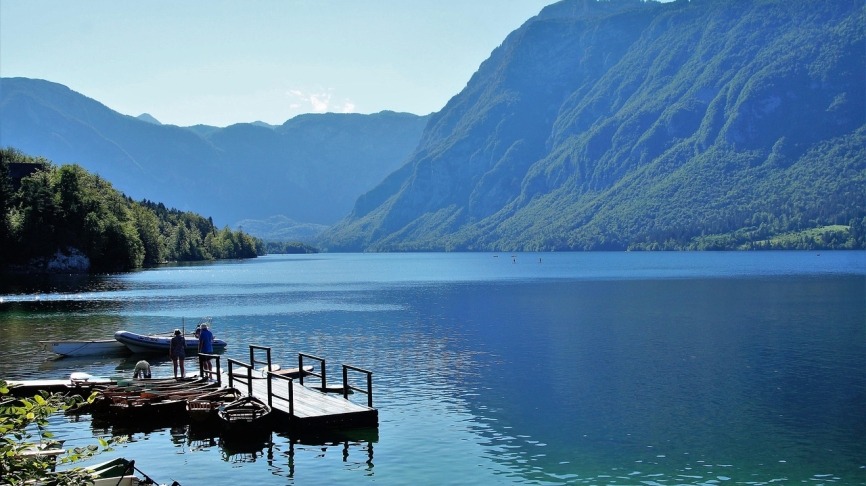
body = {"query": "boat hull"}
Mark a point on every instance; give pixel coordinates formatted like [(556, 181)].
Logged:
[(245, 419), (96, 347), (78, 383), (155, 343), (148, 412)]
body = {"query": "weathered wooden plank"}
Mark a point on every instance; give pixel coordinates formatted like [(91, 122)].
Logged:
[(312, 405)]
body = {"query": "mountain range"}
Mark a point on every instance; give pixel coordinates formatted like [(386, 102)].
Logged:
[(596, 125), (302, 175), (625, 124)]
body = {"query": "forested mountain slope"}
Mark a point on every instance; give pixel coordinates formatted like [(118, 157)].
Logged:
[(638, 125), (310, 169)]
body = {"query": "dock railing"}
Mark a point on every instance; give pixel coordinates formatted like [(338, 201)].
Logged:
[(246, 379), (347, 386), (249, 367), (254, 361), (274, 379), (214, 372), (301, 372), (290, 395)]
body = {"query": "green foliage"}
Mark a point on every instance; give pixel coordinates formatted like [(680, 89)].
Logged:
[(24, 428), (52, 209)]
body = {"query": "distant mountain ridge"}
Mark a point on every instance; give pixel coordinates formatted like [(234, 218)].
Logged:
[(626, 124), (149, 118), (244, 171)]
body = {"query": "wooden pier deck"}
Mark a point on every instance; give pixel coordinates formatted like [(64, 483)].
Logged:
[(299, 405), (311, 407)]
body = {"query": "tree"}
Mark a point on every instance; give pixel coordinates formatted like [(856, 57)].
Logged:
[(48, 209), (40, 214)]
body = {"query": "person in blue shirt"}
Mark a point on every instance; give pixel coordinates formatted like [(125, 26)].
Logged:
[(205, 345)]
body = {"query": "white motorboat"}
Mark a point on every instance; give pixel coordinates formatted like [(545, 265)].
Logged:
[(159, 343), (93, 347)]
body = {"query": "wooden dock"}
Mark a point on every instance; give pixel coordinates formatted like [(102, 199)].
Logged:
[(300, 405)]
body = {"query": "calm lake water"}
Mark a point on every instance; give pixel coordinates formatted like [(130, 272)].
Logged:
[(577, 368)]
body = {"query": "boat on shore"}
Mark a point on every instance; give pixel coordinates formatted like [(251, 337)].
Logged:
[(160, 343), (92, 347)]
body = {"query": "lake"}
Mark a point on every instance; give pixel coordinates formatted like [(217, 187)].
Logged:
[(528, 368)]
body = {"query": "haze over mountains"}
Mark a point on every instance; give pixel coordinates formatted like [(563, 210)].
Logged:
[(596, 125), (301, 175)]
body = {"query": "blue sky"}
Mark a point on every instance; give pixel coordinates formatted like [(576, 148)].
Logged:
[(219, 62)]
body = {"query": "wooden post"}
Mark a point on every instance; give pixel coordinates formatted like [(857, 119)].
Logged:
[(301, 367), (345, 382), (291, 398), (370, 390), (270, 391)]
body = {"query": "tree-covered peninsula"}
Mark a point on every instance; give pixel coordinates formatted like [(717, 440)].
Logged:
[(63, 218)]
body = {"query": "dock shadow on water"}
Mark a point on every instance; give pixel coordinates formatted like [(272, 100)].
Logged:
[(284, 452)]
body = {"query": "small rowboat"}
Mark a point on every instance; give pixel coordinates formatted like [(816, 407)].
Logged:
[(159, 402), (117, 472), (259, 372), (204, 408), (294, 372), (93, 347), (247, 418), (159, 343), (148, 411), (179, 393), (78, 383)]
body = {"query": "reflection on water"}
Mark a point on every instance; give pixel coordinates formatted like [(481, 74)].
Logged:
[(581, 369)]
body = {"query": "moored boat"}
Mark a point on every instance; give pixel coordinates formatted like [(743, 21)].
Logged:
[(159, 343), (78, 383), (148, 411), (146, 402), (245, 419), (294, 372), (93, 347), (204, 408), (118, 472)]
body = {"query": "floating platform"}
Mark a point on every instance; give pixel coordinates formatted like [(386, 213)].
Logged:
[(304, 406), (307, 407)]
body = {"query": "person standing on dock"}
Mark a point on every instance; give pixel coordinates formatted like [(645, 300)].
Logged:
[(177, 352), (205, 345)]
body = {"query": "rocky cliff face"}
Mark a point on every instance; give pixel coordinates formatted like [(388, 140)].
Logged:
[(623, 123)]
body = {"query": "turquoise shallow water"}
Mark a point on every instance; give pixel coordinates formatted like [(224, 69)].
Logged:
[(587, 368)]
